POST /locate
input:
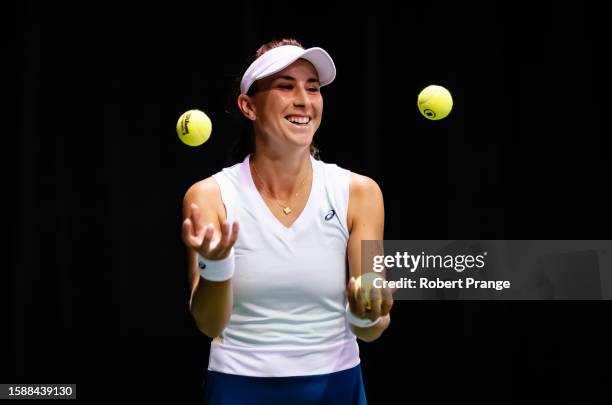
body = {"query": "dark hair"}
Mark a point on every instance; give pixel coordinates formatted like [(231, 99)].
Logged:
[(244, 144)]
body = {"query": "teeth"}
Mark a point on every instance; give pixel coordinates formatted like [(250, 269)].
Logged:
[(298, 120)]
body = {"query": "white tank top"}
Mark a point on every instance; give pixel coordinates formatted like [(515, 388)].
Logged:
[(288, 316)]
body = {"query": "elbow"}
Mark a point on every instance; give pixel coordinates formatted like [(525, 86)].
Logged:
[(208, 327), (209, 332)]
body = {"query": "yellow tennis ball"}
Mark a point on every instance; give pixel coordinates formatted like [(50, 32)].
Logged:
[(435, 102), (194, 127), (366, 281)]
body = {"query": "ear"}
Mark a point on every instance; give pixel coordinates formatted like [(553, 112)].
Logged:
[(246, 106)]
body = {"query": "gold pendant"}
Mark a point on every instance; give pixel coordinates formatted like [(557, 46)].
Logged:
[(287, 210)]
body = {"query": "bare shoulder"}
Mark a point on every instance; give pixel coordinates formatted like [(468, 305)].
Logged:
[(204, 188), (206, 194), (360, 185), (365, 199)]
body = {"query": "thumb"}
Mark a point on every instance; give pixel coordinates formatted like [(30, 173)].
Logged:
[(350, 289), (186, 230)]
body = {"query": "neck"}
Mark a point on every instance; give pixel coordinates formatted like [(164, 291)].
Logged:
[(283, 174)]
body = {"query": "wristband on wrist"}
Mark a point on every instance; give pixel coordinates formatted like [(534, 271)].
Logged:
[(359, 322), (217, 270)]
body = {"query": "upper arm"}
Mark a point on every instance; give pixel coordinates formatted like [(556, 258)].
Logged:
[(206, 194), (366, 218)]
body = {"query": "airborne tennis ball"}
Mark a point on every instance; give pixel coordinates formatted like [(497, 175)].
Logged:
[(435, 102), (366, 281), (194, 127)]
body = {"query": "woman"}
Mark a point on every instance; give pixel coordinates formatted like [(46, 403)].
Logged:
[(272, 293)]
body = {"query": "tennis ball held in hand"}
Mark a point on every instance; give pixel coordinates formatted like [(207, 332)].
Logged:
[(194, 127), (435, 102), (366, 281)]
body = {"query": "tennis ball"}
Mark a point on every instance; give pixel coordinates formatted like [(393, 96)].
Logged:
[(366, 281), (435, 102), (194, 127)]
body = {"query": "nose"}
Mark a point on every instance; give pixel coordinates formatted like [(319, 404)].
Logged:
[(300, 97)]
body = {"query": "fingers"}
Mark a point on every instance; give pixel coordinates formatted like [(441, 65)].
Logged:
[(387, 301), (200, 237), (234, 237), (205, 247), (225, 235), (195, 219), (189, 238), (379, 303), (219, 248), (356, 299), (222, 245), (360, 303), (186, 231), (350, 295), (375, 303)]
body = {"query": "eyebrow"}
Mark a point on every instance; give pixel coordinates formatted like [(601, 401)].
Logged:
[(291, 78)]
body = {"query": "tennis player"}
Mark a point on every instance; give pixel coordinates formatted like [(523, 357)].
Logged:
[(274, 246)]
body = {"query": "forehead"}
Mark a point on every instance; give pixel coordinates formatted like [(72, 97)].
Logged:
[(300, 69)]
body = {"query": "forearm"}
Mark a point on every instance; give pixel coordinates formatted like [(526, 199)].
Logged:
[(211, 305), (374, 332)]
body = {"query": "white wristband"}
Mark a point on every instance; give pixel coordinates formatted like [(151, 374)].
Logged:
[(217, 270), (359, 322)]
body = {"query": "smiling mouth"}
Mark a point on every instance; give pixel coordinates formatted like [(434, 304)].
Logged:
[(298, 121)]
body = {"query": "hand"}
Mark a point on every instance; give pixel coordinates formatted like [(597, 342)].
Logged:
[(381, 301), (199, 237)]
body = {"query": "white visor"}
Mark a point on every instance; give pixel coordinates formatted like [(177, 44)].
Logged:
[(276, 59)]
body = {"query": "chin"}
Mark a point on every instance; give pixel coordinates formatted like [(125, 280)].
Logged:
[(303, 141), (300, 139)]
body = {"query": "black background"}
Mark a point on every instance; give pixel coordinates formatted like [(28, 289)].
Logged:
[(97, 273)]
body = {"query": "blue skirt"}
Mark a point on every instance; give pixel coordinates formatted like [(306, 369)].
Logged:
[(340, 388)]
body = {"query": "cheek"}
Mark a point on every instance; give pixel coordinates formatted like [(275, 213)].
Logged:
[(318, 106), (274, 101), (270, 110)]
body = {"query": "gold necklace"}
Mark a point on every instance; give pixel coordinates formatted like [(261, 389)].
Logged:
[(286, 208)]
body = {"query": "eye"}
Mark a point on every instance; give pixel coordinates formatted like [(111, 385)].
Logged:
[(286, 86), (314, 89)]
